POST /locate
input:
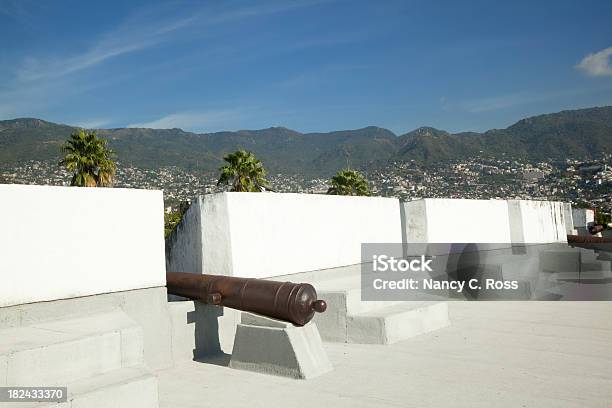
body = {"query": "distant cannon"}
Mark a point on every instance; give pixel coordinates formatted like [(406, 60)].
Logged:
[(589, 242), (292, 302)]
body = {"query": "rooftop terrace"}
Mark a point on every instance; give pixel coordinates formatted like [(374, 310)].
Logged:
[(502, 354)]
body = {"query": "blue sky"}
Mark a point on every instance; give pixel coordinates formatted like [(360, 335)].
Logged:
[(306, 65)]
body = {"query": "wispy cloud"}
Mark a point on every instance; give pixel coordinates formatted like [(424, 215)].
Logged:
[(147, 29), (487, 104), (195, 121), (38, 77), (259, 9), (43, 80), (122, 40), (597, 64), (32, 99), (93, 123)]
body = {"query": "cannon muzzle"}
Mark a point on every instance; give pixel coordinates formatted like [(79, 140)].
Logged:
[(292, 302)]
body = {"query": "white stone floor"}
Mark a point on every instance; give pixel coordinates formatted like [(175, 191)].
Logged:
[(494, 354)]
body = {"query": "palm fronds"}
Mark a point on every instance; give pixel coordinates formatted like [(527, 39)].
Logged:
[(243, 172), (89, 159), (349, 182)]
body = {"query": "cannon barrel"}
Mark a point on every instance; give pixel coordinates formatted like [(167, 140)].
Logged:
[(292, 302), (590, 242)]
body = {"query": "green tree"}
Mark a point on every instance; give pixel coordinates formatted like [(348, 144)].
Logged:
[(581, 204), (173, 218), (602, 218), (349, 182), (88, 158), (243, 172)]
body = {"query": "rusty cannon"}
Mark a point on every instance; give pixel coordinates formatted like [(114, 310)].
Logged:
[(293, 302), (590, 242)]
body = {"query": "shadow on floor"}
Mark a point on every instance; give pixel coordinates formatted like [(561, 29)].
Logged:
[(221, 359), (207, 345)]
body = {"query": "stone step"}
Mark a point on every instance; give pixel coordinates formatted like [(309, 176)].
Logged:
[(586, 276), (397, 322), (132, 387), (350, 320), (587, 255), (355, 305), (63, 351), (596, 266)]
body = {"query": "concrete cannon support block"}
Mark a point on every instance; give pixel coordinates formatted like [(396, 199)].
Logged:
[(274, 347)]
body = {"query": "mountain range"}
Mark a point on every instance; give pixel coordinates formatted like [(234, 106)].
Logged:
[(580, 134)]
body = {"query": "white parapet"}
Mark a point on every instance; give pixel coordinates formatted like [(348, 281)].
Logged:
[(65, 242), (583, 218), (568, 218), (439, 220), (537, 222), (269, 234), (262, 235)]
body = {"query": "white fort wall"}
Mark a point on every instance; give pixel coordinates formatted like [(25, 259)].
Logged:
[(538, 222), (267, 234), (438, 220), (569, 219), (65, 242), (583, 218)]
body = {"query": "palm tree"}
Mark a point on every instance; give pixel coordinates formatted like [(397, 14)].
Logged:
[(349, 182), (89, 159), (244, 172)]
